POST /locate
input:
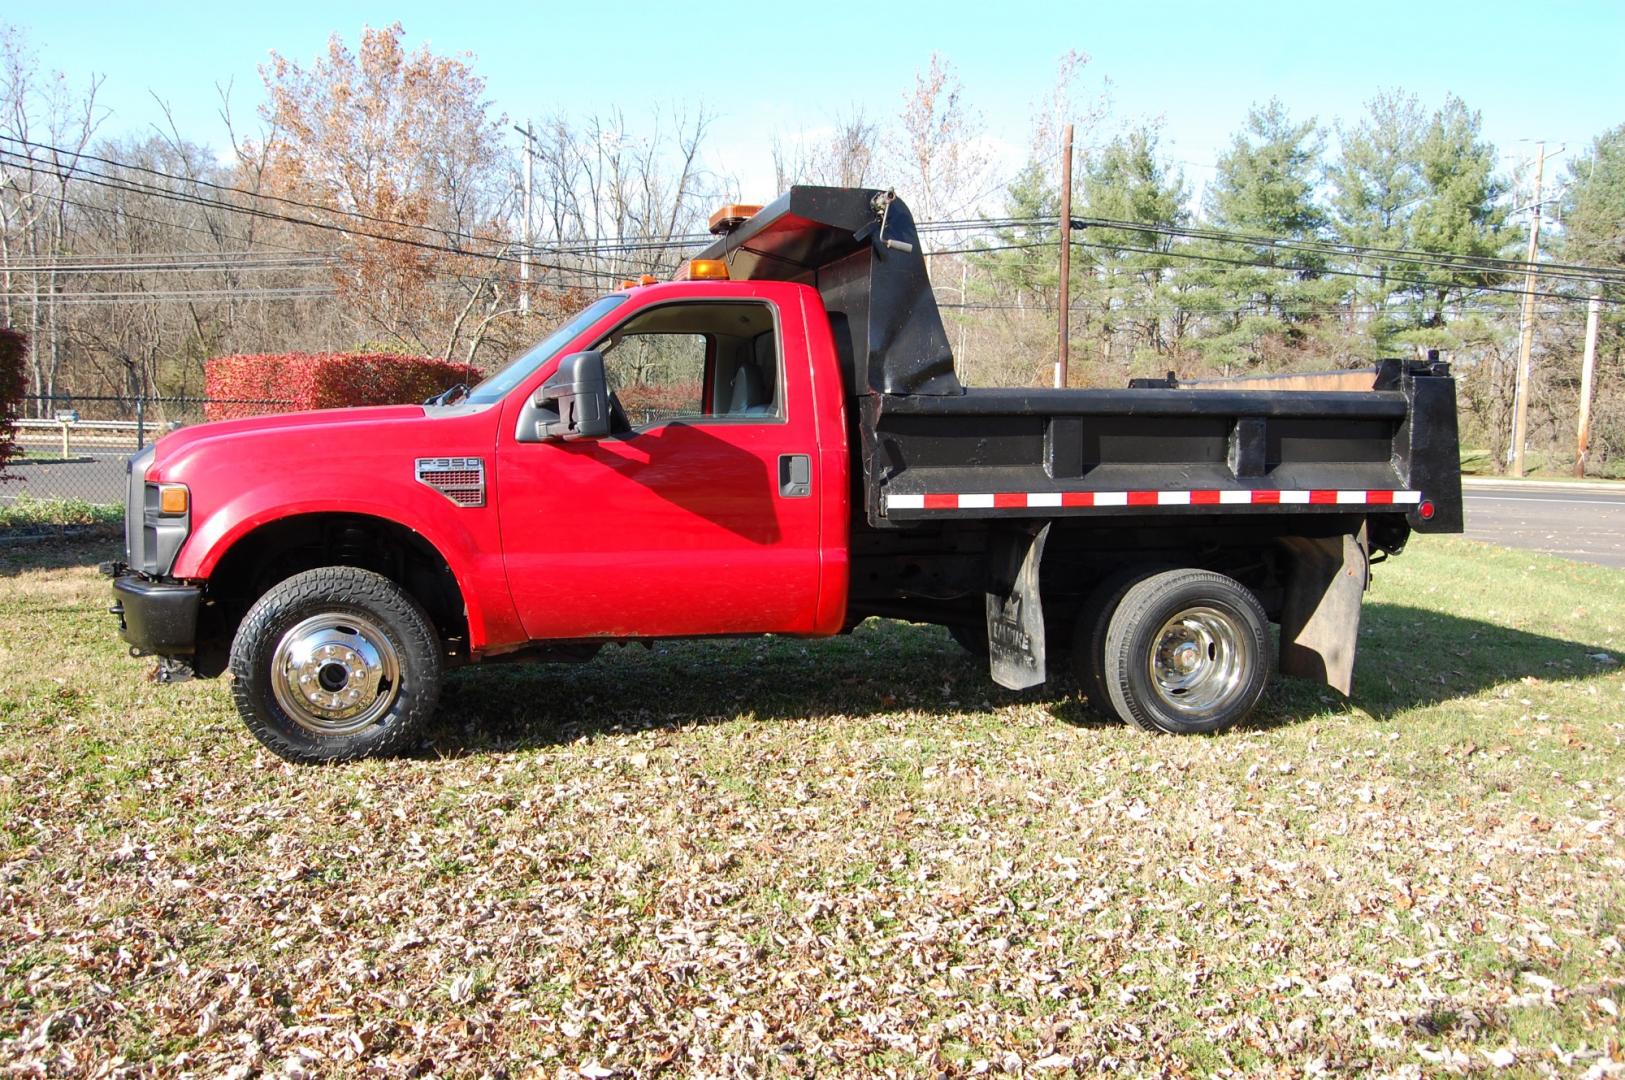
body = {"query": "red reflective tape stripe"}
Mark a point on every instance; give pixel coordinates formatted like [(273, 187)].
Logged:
[(1017, 500)]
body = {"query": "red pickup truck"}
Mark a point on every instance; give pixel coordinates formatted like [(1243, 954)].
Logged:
[(777, 443)]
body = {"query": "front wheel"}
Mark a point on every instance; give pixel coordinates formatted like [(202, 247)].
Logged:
[(334, 664), (1185, 652)]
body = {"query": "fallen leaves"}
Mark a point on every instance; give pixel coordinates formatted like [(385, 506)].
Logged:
[(826, 884)]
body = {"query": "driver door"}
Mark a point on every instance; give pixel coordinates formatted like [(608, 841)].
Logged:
[(692, 517)]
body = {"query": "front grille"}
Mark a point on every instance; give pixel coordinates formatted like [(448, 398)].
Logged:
[(135, 508)]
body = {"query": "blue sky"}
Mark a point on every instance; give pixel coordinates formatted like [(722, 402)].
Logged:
[(1544, 70)]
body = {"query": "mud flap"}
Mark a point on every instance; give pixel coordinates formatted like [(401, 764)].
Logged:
[(1320, 622), (1015, 614)]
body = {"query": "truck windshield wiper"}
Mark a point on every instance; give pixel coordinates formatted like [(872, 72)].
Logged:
[(448, 395)]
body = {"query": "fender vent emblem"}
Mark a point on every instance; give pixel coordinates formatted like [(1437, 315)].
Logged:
[(460, 479)]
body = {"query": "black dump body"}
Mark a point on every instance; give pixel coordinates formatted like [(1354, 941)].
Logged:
[(933, 450)]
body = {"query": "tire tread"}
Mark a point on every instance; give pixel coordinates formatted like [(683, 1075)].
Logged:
[(340, 587), (1124, 615)]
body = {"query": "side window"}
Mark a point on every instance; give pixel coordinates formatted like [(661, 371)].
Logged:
[(658, 377), (696, 362)]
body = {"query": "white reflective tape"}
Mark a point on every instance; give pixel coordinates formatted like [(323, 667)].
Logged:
[(1055, 500)]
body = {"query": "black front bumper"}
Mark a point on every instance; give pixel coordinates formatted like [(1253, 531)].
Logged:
[(157, 618)]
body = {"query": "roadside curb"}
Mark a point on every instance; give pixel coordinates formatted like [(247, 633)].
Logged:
[(1493, 482)]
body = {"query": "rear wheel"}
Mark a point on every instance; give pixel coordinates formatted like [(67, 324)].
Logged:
[(335, 664), (1182, 651), (1089, 633)]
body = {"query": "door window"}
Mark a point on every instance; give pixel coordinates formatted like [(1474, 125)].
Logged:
[(702, 362)]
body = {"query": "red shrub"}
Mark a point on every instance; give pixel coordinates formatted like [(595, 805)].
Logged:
[(13, 381), (323, 381)]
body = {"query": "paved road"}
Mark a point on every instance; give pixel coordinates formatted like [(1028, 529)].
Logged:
[(93, 474), (1575, 523)]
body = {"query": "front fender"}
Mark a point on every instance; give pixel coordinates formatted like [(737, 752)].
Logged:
[(465, 537)]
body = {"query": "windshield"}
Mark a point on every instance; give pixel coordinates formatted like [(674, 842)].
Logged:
[(519, 368)]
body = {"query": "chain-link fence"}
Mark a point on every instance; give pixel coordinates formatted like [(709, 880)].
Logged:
[(72, 447)]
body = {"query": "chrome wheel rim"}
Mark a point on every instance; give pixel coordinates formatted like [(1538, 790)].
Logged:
[(335, 674), (1197, 661)]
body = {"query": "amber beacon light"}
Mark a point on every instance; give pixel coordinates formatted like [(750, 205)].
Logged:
[(703, 270), (730, 217)]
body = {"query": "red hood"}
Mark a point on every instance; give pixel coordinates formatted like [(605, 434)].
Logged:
[(319, 423)]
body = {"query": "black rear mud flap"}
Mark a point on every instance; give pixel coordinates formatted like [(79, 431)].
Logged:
[(1320, 625), (1015, 614)]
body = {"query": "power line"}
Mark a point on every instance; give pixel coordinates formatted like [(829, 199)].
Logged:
[(246, 192), (566, 247), (1328, 271), (1487, 264), (1483, 264), (134, 187)]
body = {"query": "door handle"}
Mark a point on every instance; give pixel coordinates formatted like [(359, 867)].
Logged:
[(795, 476)]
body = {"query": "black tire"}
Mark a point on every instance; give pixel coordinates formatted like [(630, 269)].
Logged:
[(1089, 633), (1198, 675), (359, 636), (973, 639)]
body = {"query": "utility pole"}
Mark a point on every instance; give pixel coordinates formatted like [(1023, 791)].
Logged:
[(1588, 368), (1066, 259), (1526, 344), (524, 251)]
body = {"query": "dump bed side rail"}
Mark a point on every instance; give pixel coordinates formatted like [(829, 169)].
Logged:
[(1060, 453)]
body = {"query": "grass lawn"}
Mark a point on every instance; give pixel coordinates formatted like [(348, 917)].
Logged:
[(835, 858)]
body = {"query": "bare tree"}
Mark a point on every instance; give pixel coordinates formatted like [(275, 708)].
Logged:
[(938, 154), (46, 126)]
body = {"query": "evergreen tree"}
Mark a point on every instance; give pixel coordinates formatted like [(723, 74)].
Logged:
[(1028, 269), (1594, 235), (1594, 204), (1460, 212), (1376, 185), (1266, 300), (1130, 287)]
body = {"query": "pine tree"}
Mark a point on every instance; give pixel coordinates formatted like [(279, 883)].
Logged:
[(1594, 204), (1130, 286), (1027, 268), (1266, 300), (1460, 212), (1594, 235), (1376, 185)]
